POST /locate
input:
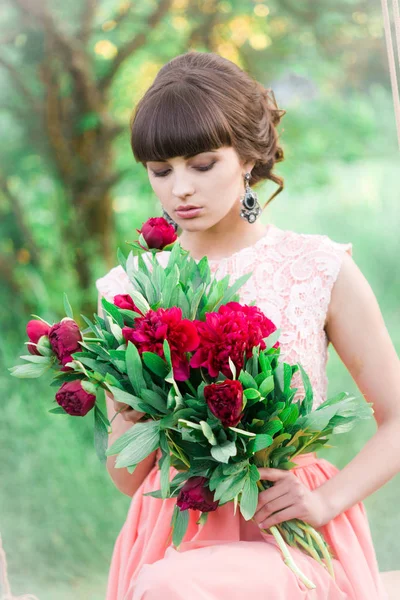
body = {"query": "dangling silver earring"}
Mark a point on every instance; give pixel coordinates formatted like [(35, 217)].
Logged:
[(170, 220), (251, 208)]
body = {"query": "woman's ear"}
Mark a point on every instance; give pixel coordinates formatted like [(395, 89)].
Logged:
[(248, 167)]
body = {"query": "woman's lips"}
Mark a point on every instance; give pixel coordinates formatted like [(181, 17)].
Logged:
[(188, 213)]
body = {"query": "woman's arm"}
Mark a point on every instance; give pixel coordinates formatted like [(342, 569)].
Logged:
[(357, 330), (127, 483)]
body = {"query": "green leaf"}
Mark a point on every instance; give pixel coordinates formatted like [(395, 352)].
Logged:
[(307, 403), (272, 427), (249, 499), (167, 352), (100, 434), (34, 358), (247, 380), (251, 394), (271, 340), (230, 487), (29, 371), (121, 258), (155, 400), (125, 397), (231, 291), (254, 473), (140, 301), (58, 410), (223, 452), (67, 307), (113, 311), (156, 364), (89, 387), (165, 464), (135, 368), (208, 432), (180, 524), (267, 385), (232, 367), (261, 441), (145, 439)]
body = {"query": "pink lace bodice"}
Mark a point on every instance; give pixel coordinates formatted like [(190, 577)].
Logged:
[(292, 279)]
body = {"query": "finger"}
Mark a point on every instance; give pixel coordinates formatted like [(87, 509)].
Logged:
[(119, 406), (273, 474), (278, 504), (291, 512), (272, 493)]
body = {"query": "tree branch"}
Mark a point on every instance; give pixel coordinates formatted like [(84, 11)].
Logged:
[(20, 85), (87, 19), (76, 60), (26, 234), (137, 42)]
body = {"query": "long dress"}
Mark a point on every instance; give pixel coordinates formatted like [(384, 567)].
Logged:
[(229, 558)]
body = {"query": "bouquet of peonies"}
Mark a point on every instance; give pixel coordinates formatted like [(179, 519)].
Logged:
[(206, 371)]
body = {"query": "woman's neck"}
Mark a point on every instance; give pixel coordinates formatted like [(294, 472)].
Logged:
[(218, 245)]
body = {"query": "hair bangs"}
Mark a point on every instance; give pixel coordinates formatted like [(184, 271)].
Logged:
[(177, 120)]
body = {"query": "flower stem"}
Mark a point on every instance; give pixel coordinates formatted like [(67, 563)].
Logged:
[(179, 455), (322, 546), (310, 549), (190, 386), (288, 560)]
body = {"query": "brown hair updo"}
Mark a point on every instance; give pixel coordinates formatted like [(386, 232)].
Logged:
[(200, 101)]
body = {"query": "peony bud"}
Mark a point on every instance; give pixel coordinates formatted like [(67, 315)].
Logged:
[(64, 339), (126, 301), (74, 399), (225, 400), (158, 233), (35, 329), (196, 495)]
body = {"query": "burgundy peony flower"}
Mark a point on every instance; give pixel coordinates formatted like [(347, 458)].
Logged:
[(165, 323), (225, 400), (232, 331), (126, 301), (196, 495), (74, 399), (259, 325), (158, 233), (35, 329), (64, 337)]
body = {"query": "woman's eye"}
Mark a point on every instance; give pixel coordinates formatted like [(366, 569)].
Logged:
[(206, 168)]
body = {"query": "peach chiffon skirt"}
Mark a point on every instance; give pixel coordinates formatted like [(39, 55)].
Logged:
[(228, 558)]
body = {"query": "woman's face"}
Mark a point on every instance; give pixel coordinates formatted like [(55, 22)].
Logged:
[(213, 181)]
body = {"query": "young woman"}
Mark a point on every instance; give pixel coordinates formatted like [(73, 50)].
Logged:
[(206, 132)]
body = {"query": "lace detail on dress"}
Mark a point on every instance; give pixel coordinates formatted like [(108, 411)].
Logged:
[(293, 275)]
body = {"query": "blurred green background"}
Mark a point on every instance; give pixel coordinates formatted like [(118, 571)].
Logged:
[(71, 193)]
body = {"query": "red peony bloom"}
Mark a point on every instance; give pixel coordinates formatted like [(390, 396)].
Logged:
[(165, 323), (158, 233), (35, 329), (74, 399), (196, 495), (225, 400), (126, 301), (259, 325), (64, 337), (232, 331)]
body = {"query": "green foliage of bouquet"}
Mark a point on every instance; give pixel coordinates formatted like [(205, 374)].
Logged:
[(206, 372)]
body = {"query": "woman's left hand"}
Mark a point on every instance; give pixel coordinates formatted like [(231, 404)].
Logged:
[(291, 498)]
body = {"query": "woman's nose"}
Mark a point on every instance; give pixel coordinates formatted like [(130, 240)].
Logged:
[(182, 185)]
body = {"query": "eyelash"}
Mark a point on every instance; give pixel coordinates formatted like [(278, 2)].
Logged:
[(201, 169)]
